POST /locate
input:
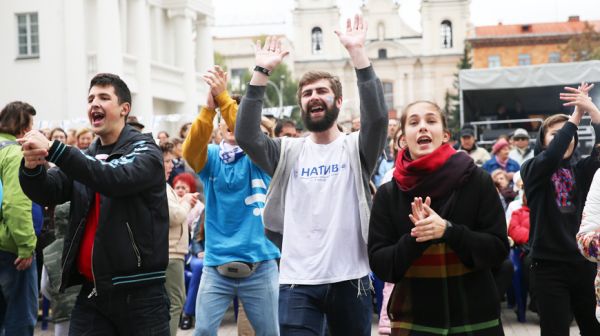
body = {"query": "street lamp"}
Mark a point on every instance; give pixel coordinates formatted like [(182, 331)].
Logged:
[(279, 90)]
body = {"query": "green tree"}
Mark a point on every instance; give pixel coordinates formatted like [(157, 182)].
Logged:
[(584, 46), (281, 79), (219, 60), (452, 99)]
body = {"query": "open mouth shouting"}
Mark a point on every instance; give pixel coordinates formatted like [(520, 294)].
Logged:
[(316, 109), (97, 118), (424, 141)]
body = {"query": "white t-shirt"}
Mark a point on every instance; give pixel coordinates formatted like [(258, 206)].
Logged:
[(322, 241)]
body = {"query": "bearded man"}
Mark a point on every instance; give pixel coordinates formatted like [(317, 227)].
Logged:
[(319, 196)]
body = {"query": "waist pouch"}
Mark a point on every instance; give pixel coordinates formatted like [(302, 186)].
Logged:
[(237, 269)]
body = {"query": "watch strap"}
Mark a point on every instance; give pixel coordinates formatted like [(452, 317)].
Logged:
[(262, 70)]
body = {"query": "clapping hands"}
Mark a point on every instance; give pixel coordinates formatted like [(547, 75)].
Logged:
[(216, 78), (579, 97), (428, 224)]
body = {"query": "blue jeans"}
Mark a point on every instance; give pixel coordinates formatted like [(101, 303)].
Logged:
[(196, 265), (142, 310), (345, 306), (18, 297), (259, 293)]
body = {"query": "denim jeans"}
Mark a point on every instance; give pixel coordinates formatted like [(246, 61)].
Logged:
[(196, 265), (345, 306), (259, 294), (18, 297), (142, 310)]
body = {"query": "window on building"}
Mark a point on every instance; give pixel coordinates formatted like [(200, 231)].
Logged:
[(382, 53), (494, 61), (317, 40), (380, 31), (28, 35), (388, 94), (554, 57), (446, 34), (524, 59)]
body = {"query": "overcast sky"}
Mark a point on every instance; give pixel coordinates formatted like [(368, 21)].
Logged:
[(483, 12)]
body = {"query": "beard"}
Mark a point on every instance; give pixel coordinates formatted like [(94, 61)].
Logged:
[(323, 124)]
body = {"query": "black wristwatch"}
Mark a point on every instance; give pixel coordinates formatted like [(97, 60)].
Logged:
[(448, 226), (262, 70)]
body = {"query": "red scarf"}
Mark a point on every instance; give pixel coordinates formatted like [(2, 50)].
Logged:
[(409, 173)]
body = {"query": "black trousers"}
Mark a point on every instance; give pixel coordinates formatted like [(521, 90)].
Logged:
[(135, 311), (564, 290)]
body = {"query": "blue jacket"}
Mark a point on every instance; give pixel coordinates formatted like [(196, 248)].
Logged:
[(491, 165)]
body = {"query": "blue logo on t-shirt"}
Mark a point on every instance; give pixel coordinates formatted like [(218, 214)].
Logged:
[(321, 171)]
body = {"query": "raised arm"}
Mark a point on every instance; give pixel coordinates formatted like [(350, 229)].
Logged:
[(580, 99), (373, 111), (195, 146), (217, 79), (263, 150)]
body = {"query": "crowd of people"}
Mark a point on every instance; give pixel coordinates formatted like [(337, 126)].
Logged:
[(308, 233)]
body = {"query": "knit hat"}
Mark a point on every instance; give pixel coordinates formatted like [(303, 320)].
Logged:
[(501, 143)]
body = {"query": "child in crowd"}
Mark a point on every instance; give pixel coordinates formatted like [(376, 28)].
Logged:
[(556, 187), (505, 191)]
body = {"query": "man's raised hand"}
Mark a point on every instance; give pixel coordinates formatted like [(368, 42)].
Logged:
[(268, 56), (353, 39), (355, 34)]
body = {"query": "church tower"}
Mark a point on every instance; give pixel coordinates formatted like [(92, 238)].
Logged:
[(384, 21), (314, 25), (445, 25)]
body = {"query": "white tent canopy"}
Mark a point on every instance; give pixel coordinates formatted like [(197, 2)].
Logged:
[(530, 76)]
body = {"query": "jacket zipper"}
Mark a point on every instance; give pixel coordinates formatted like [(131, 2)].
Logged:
[(71, 245), (135, 249), (94, 290)]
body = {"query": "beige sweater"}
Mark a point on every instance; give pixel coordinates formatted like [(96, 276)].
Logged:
[(178, 228)]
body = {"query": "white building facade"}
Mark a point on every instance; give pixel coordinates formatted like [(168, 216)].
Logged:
[(53, 48), (412, 65)]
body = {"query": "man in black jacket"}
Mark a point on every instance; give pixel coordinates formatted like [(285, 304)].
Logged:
[(117, 241)]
